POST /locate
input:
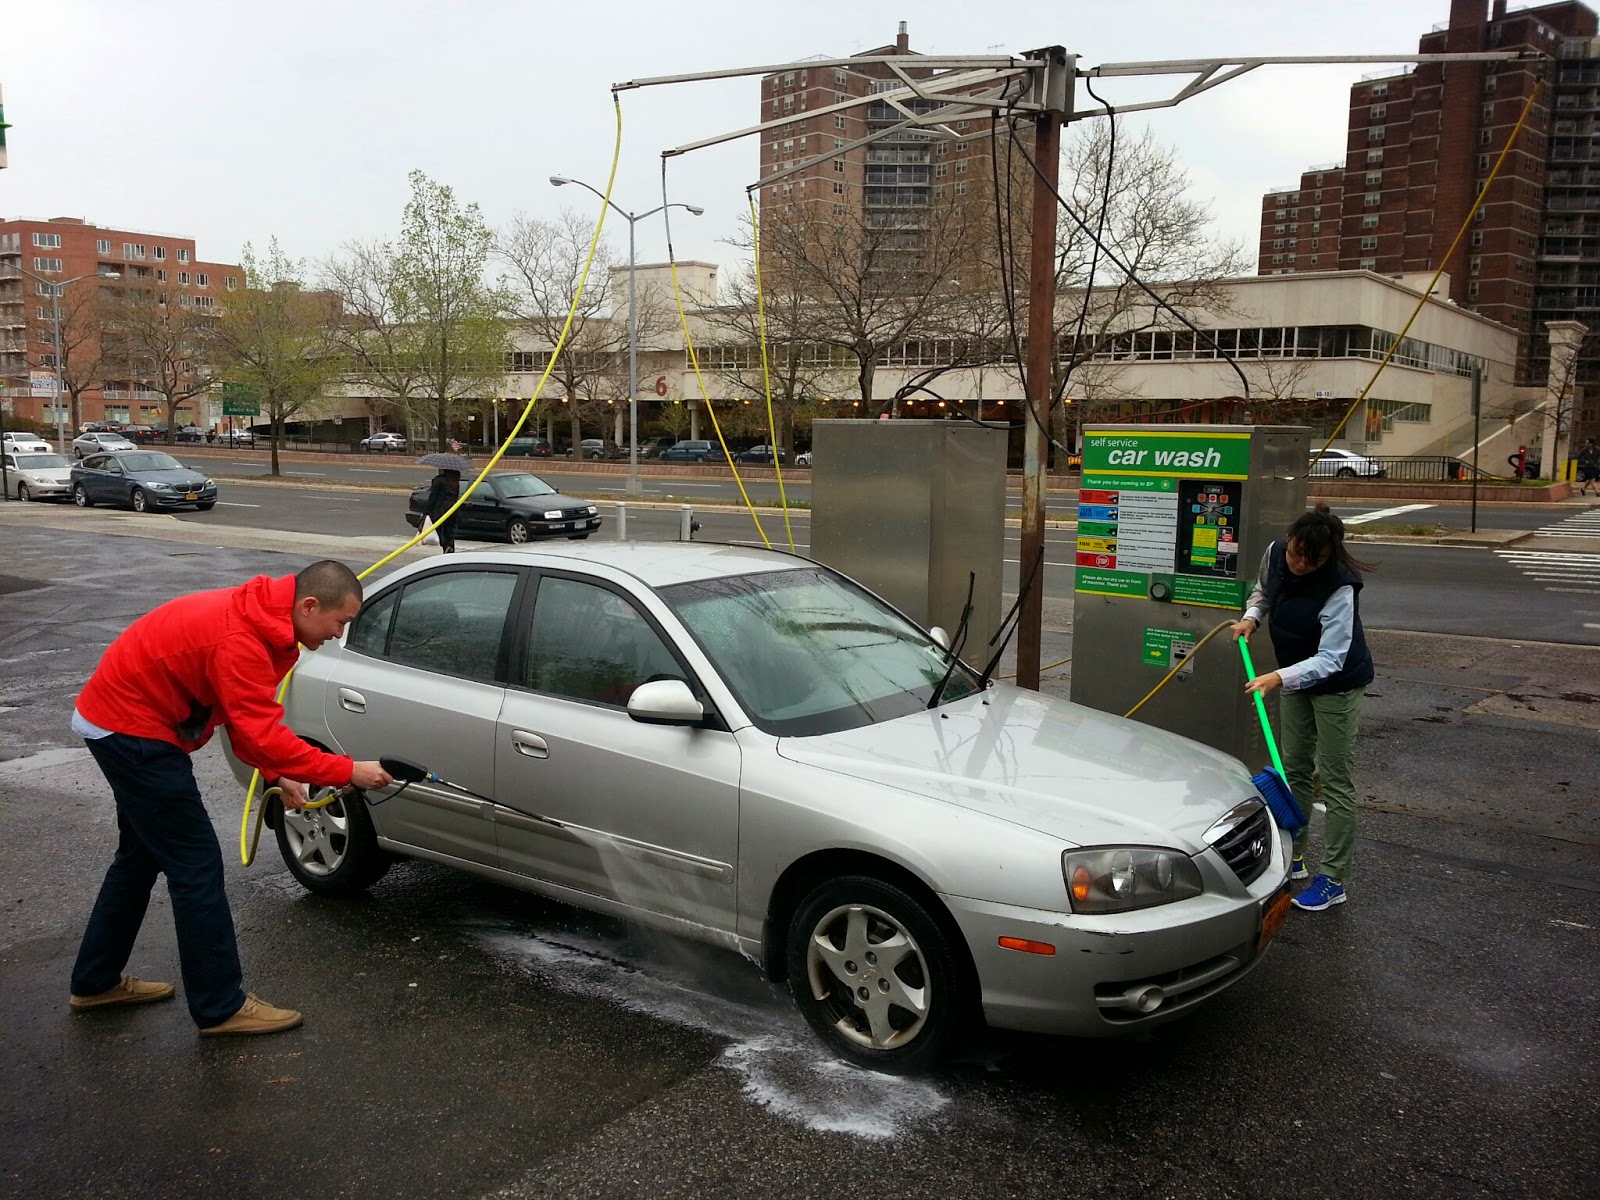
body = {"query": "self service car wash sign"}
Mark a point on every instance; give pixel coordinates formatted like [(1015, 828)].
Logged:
[(1158, 515)]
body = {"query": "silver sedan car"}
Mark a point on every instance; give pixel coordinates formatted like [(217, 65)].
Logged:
[(748, 748)]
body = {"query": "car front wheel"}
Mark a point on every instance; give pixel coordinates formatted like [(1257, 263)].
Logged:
[(332, 851), (23, 493), (874, 974), (518, 531), (141, 502), (1347, 473), (80, 497)]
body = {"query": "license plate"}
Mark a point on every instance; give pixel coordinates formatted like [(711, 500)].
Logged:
[(572, 524), (1274, 913), (191, 495)]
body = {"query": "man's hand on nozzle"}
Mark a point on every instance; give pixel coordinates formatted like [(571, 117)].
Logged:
[(1243, 628), (291, 793), (369, 776)]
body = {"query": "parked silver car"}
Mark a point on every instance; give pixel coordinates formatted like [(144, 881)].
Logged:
[(86, 444), (37, 475), (745, 747)]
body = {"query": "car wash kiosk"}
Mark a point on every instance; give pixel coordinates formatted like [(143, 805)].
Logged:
[(1172, 523)]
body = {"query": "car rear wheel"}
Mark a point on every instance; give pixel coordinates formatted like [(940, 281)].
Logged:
[(80, 497), (874, 974), (518, 531), (141, 502), (332, 851), (1347, 473)]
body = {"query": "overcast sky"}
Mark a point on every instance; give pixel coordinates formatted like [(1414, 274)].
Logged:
[(233, 121)]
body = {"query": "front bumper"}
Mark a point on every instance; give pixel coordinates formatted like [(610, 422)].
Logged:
[(42, 489), (1106, 971), (182, 499)]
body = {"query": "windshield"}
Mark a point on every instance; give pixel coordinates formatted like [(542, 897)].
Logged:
[(149, 462), (40, 462), (514, 486), (807, 652)]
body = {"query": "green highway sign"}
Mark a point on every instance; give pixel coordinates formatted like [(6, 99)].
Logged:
[(240, 400)]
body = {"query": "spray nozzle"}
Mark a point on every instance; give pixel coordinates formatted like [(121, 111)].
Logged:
[(405, 770)]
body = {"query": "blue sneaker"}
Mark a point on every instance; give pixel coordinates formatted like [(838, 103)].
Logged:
[(1297, 869), (1324, 892)]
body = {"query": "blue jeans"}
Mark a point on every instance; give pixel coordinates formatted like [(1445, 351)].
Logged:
[(164, 831)]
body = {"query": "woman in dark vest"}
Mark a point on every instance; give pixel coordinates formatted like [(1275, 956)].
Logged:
[(444, 491), (1308, 596)]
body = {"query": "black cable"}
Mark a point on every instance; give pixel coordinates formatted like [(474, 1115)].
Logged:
[(1100, 229), (1132, 277)]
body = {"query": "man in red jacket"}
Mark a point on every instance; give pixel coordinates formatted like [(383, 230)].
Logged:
[(173, 676)]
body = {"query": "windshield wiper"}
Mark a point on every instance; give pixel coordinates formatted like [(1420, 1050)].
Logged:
[(1010, 620), (957, 643)]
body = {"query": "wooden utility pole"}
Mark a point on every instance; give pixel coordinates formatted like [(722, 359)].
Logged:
[(1053, 86)]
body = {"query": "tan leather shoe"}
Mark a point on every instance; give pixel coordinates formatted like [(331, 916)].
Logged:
[(129, 990), (255, 1016)]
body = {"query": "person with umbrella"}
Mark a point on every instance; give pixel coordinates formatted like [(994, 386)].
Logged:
[(443, 492)]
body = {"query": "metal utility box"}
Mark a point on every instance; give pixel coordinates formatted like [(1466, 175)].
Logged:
[(910, 507), (1172, 523)]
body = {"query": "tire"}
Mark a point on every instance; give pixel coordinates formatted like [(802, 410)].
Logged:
[(332, 851), (23, 493), (1346, 473), (591, 455), (207, 506), (80, 497), (140, 501), (700, 458), (518, 531), (826, 983)]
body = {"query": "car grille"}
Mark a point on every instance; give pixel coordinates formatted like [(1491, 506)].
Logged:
[(1244, 839), (572, 514)]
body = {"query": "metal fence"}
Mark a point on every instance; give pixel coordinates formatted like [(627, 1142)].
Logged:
[(1419, 468)]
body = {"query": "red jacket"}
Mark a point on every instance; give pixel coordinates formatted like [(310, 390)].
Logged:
[(214, 658)]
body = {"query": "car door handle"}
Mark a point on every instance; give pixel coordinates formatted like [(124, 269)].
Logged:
[(352, 701), (530, 744)]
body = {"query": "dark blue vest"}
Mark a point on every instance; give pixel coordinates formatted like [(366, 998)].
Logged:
[(1294, 611)]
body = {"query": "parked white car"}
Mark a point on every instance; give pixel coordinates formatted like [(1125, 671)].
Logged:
[(37, 475), (384, 441), (803, 459), (25, 443), (1346, 464), (99, 443)]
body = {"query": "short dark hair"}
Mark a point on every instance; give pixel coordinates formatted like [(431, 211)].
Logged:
[(330, 583)]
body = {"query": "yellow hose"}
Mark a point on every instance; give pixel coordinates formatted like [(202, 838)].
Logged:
[(766, 374), (247, 846), (1167, 678)]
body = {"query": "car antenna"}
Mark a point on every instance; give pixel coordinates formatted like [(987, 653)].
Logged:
[(957, 643), (1022, 594)]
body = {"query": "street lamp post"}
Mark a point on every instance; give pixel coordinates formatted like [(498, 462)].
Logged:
[(57, 291), (634, 488)]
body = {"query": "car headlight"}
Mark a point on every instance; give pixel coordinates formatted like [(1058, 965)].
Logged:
[(1114, 879), (211, 483), (554, 515), (591, 510), (164, 487)]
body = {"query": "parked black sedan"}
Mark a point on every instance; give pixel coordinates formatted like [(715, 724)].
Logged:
[(144, 480), (519, 508)]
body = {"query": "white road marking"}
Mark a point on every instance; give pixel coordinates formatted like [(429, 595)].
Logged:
[(367, 471), (1363, 518), (1582, 525), (236, 504), (1576, 591)]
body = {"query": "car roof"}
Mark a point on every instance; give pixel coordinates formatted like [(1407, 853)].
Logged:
[(655, 564)]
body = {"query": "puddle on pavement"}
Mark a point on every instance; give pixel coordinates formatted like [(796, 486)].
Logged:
[(781, 1064)]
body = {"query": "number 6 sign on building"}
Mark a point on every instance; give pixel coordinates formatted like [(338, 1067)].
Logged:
[(661, 385)]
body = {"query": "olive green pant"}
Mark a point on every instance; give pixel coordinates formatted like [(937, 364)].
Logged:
[(1319, 738)]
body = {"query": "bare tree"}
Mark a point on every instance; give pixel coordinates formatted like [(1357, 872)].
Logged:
[(164, 341), (544, 261), (275, 339), (378, 344), (81, 309)]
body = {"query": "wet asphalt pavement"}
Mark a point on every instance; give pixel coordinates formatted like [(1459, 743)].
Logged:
[(1434, 1037)]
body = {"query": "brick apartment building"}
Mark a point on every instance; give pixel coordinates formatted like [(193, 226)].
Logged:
[(1421, 144), (897, 184), (38, 256)]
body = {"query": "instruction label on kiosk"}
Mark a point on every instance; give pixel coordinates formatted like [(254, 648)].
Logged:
[(1166, 648), (1159, 514)]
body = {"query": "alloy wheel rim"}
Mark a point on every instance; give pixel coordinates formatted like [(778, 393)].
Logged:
[(518, 532), (870, 976), (80, 497), (318, 839), (23, 493), (139, 502)]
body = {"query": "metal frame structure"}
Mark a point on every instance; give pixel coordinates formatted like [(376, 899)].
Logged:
[(1039, 84)]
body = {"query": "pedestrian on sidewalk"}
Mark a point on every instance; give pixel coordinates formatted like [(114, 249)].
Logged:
[(161, 689), (1308, 595), (443, 491), (1588, 466)]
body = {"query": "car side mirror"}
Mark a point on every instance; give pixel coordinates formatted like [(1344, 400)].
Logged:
[(938, 634), (665, 702)]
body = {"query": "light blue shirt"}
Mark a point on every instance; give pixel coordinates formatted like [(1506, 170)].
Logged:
[(87, 731), (1338, 620)]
